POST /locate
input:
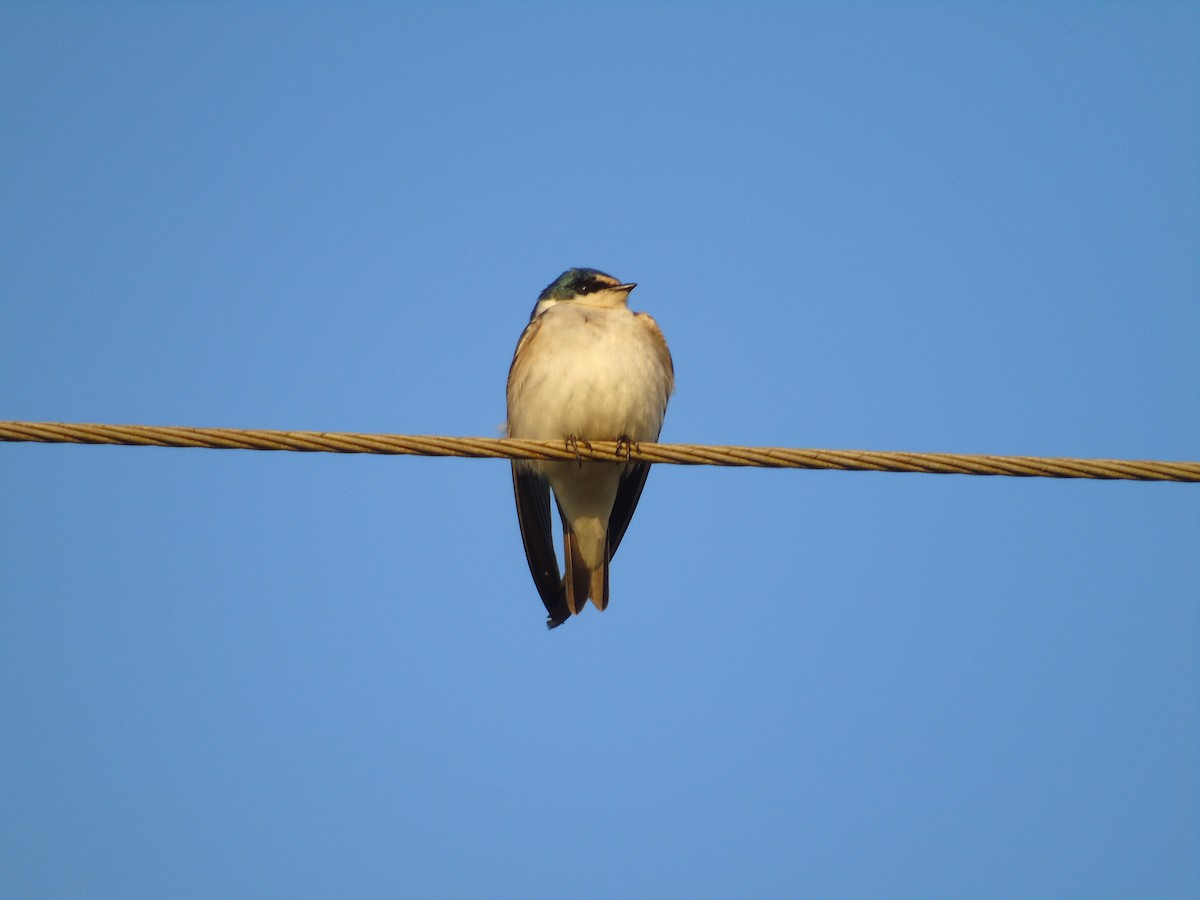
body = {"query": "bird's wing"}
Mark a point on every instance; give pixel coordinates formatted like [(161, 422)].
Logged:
[(660, 347), (533, 514), (520, 360), (629, 490)]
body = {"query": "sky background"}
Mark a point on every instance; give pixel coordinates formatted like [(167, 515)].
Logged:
[(926, 226)]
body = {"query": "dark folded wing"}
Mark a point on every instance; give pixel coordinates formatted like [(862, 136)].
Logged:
[(628, 492), (533, 513)]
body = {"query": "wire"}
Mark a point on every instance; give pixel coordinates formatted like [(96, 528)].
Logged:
[(680, 454)]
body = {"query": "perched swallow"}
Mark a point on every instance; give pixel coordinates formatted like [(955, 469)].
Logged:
[(586, 369)]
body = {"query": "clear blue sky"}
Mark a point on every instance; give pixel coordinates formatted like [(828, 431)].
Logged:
[(940, 227)]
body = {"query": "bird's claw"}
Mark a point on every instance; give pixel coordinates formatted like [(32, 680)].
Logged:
[(573, 443)]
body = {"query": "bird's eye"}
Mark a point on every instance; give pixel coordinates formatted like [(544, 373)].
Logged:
[(586, 288)]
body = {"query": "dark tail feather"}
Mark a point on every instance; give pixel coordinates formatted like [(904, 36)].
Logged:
[(599, 586), (578, 580)]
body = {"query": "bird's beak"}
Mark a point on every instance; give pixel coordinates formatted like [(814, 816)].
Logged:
[(627, 287)]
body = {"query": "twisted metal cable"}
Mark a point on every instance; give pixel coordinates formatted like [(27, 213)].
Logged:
[(681, 454)]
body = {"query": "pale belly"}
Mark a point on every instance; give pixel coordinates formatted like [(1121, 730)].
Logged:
[(596, 375)]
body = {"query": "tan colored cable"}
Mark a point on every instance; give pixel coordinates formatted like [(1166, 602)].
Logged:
[(682, 454)]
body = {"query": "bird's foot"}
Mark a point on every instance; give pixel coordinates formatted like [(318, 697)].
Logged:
[(573, 442), (625, 445)]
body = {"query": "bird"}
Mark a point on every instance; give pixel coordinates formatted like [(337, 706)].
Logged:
[(586, 368)]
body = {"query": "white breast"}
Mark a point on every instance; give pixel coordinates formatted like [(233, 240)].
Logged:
[(592, 373)]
